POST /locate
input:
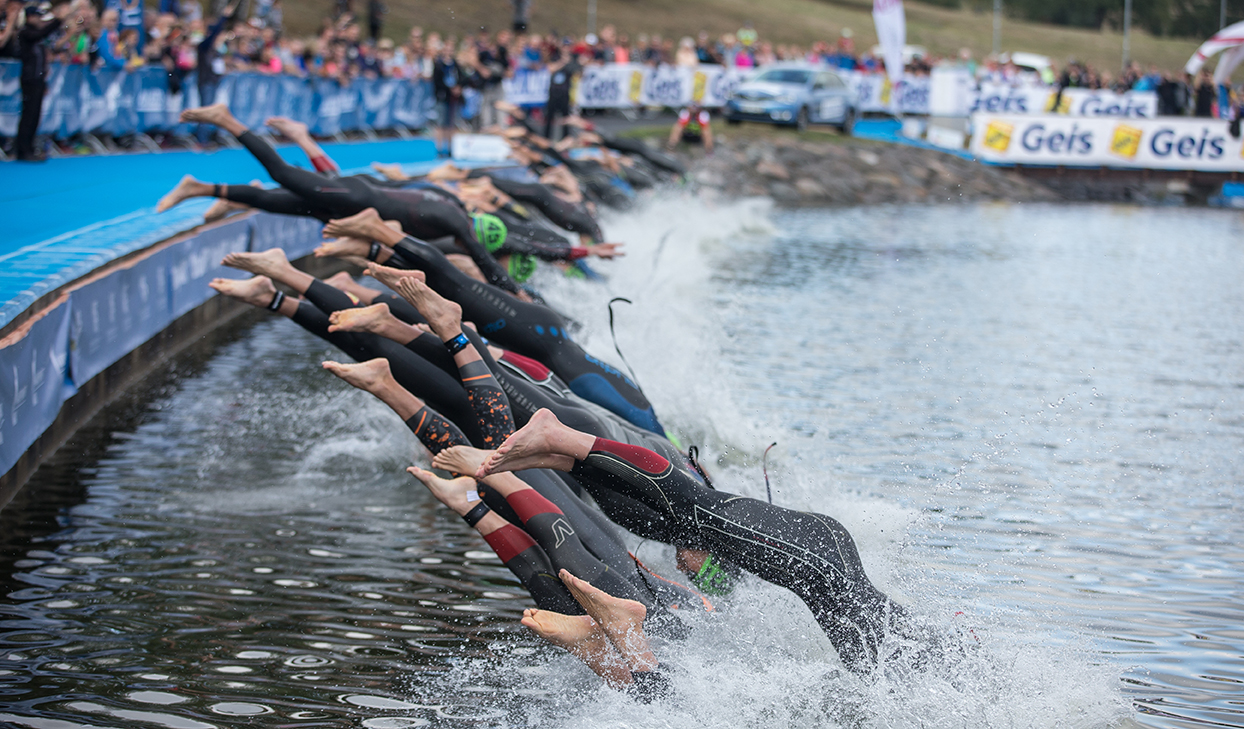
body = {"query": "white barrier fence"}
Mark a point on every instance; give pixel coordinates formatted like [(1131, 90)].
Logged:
[(1167, 143), (948, 92)]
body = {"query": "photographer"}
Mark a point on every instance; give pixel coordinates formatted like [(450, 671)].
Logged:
[(41, 22)]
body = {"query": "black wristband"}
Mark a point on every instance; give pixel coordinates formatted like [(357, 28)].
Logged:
[(277, 299), (374, 253), (457, 344), (473, 516)]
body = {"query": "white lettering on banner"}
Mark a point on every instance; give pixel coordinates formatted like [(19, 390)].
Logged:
[(527, 88), (1164, 143)]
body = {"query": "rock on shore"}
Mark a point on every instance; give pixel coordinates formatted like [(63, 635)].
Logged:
[(855, 172)]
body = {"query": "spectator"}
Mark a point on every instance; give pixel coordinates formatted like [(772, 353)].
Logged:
[(703, 50), (1206, 95), (376, 10), (33, 49), (493, 61), (211, 67), (686, 57), (562, 70), (9, 24), (131, 17), (111, 53), (448, 91)]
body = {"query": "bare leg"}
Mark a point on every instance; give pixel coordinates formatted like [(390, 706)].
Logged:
[(186, 189), (622, 621), (271, 263), (343, 281), (297, 133), (217, 114), (374, 376), (543, 443)]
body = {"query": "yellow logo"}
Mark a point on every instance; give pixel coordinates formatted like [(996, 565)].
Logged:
[(637, 85), (698, 84), (1126, 141), (998, 135), (1064, 104)]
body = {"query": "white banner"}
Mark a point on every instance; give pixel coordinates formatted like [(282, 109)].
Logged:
[(624, 85), (1166, 143), (873, 92)]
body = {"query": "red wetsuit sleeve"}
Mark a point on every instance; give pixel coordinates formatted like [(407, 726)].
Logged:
[(577, 252), (641, 458), (509, 541), (528, 503), (323, 164), (534, 369)]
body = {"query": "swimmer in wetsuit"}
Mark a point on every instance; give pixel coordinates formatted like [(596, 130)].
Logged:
[(316, 195), (809, 554), (531, 330)]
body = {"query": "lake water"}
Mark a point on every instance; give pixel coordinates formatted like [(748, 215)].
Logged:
[(1030, 417)]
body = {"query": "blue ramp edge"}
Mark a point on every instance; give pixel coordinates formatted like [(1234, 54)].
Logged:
[(890, 130), (68, 217)]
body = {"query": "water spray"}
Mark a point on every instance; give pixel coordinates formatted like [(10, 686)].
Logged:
[(618, 349), (764, 466)]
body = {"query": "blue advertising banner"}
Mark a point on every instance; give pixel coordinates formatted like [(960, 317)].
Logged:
[(32, 380), (116, 314), (195, 261), (297, 236), (125, 102)]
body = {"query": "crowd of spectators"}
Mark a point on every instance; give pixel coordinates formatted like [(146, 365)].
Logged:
[(182, 36)]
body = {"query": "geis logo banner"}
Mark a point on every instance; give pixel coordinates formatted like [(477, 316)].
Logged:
[(1162, 143)]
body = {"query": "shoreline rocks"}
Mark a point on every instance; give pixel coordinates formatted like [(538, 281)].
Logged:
[(796, 172)]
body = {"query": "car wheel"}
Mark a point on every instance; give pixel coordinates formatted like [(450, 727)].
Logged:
[(847, 127), (801, 119), (733, 121)]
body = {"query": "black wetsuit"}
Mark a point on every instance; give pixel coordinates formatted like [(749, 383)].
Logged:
[(531, 330), (810, 554), (637, 148), (563, 214), (422, 214), (584, 543)]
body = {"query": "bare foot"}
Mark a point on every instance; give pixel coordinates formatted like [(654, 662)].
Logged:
[(342, 247), (360, 319), (359, 225), (542, 443), (290, 129), (466, 265), (217, 114), (271, 262), (622, 621), (222, 208), (454, 493), (370, 375), (257, 291), (186, 189), (460, 459), (390, 172), (443, 315), (606, 250), (390, 276)]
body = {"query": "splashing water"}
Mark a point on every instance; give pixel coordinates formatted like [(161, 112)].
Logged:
[(1028, 418)]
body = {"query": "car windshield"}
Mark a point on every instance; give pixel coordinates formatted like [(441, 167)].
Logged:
[(784, 76)]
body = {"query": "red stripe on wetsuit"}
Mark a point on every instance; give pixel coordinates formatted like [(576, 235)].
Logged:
[(509, 541), (641, 458), (531, 367)]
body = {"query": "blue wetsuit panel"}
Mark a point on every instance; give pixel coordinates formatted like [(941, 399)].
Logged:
[(595, 388)]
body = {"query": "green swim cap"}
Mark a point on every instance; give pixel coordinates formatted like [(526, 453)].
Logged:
[(522, 266), (713, 579), (490, 230)]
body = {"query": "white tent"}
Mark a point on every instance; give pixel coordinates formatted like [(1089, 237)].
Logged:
[(1229, 39)]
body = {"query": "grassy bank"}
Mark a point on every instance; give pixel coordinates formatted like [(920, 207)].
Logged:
[(941, 30)]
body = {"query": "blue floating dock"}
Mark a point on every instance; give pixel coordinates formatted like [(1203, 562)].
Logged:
[(66, 217), (68, 222)]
